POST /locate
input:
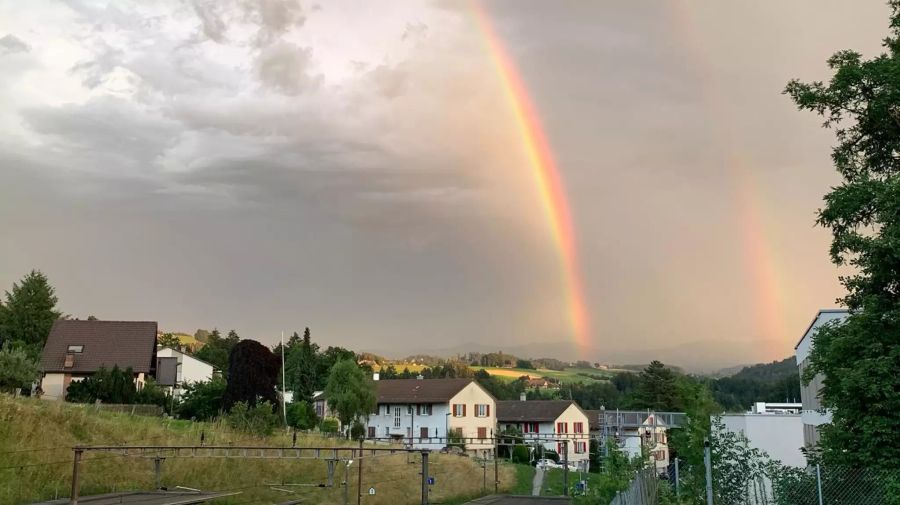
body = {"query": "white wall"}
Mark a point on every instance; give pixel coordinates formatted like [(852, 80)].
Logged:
[(436, 423), (779, 435), (189, 369), (52, 385)]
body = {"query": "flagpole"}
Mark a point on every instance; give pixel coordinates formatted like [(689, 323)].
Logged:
[(283, 391)]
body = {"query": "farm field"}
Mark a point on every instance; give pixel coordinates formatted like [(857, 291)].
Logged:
[(567, 376)]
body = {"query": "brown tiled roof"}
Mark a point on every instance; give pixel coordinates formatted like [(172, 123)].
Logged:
[(419, 390), (106, 343), (593, 419), (532, 410)]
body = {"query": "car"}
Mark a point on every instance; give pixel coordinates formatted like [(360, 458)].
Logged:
[(547, 463)]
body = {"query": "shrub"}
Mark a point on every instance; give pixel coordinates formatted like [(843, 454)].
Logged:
[(520, 454), (357, 431), (301, 415), (202, 400), (107, 386), (153, 394), (329, 425), (259, 420), (17, 370)]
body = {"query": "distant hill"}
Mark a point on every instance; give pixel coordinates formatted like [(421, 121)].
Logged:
[(769, 372)]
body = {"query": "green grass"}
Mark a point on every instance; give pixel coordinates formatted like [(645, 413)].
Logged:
[(524, 478), (567, 376), (553, 481), (36, 439)]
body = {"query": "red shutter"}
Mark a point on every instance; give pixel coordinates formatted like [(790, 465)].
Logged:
[(464, 410), (488, 406)]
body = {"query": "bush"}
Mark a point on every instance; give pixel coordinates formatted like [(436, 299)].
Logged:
[(17, 370), (106, 386), (329, 425), (520, 454), (301, 415), (260, 420), (153, 394), (357, 431), (202, 401)]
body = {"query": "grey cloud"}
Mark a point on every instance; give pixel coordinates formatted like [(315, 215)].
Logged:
[(10, 44), (274, 17), (286, 67), (211, 23)]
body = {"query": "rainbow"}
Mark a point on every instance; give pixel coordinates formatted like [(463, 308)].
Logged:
[(761, 265), (546, 175)]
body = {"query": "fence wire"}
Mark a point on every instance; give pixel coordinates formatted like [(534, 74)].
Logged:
[(831, 485), (643, 490)]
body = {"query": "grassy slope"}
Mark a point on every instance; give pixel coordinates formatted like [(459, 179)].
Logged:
[(36, 439), (553, 481), (566, 376)]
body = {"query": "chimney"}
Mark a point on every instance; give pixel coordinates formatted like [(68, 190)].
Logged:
[(375, 376), (70, 361), (522, 396)]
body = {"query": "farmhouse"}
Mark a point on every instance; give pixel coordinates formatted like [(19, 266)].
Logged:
[(77, 349), (425, 412), (556, 424)]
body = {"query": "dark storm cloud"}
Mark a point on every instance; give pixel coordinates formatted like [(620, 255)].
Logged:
[(267, 165)]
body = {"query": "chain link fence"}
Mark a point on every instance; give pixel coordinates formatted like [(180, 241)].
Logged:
[(829, 485)]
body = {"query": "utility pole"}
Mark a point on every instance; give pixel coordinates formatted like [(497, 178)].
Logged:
[(707, 460), (677, 483), (496, 466), (359, 474), (424, 477), (157, 470), (347, 482), (566, 467), (283, 391), (76, 485)]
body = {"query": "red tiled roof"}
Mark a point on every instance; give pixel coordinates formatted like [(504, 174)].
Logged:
[(106, 343)]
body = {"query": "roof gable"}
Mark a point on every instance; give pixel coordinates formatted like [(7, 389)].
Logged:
[(419, 390), (532, 410), (105, 344)]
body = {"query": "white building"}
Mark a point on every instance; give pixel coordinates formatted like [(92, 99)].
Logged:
[(775, 408), (556, 424), (813, 415), (778, 435), (425, 412), (187, 369)]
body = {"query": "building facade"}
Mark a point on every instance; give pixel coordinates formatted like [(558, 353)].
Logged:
[(425, 413), (187, 369), (77, 349), (813, 415), (780, 435), (558, 425)]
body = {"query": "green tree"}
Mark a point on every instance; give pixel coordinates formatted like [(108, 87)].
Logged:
[(28, 313), (252, 375), (657, 389), (169, 340), (302, 367), (350, 392), (17, 369), (860, 357), (217, 349), (202, 401)]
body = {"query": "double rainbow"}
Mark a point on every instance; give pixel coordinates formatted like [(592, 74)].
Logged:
[(546, 175)]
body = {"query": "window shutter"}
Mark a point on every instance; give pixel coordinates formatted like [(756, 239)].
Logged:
[(418, 410), (464, 410), (488, 408)]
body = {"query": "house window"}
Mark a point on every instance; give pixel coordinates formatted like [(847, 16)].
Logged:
[(459, 410), (482, 432), (409, 410), (562, 427), (423, 433), (578, 427), (387, 410), (579, 447), (426, 410), (396, 417), (482, 410), (387, 431), (377, 408), (76, 348), (371, 432)]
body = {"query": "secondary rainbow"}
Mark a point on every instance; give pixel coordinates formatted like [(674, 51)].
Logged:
[(546, 174)]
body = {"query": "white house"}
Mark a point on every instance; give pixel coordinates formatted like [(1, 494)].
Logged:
[(187, 369), (780, 435), (556, 424), (77, 349), (813, 415), (424, 413), (639, 430)]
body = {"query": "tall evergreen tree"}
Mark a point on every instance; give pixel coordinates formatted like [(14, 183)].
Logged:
[(657, 389), (217, 349), (302, 368), (859, 359), (28, 313)]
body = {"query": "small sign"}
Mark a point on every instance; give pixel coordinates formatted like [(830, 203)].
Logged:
[(430, 481), (372, 491)]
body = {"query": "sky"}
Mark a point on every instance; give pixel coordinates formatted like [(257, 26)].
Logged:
[(357, 168)]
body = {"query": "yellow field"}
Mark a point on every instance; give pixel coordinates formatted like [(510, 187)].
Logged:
[(413, 367)]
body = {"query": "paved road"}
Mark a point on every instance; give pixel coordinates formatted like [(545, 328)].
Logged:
[(537, 482)]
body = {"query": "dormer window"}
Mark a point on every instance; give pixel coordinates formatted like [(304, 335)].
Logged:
[(76, 349)]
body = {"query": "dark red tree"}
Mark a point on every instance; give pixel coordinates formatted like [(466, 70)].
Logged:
[(252, 374)]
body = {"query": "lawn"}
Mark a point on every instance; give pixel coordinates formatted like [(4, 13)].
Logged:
[(553, 481), (567, 376), (36, 439)]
